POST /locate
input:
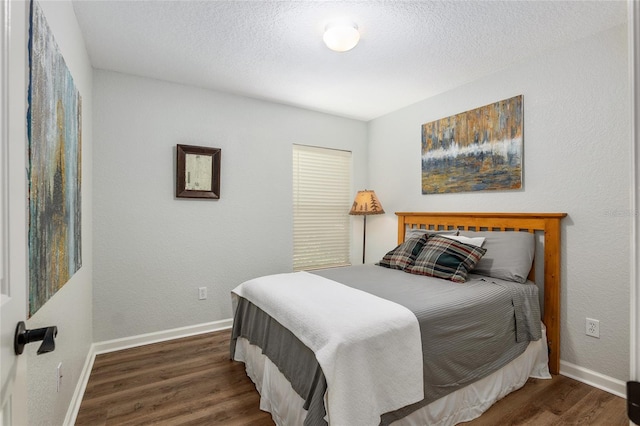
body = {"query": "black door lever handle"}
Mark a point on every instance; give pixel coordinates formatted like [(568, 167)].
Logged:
[(24, 336)]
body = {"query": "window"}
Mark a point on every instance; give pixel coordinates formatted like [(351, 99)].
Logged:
[(321, 202)]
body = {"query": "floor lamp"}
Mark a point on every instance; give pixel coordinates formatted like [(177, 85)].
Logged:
[(366, 203)]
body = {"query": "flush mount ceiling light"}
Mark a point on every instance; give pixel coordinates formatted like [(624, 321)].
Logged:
[(341, 36)]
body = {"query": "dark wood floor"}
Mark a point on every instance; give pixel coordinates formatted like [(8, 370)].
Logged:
[(191, 381)]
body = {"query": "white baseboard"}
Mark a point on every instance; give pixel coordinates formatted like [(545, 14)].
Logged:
[(593, 378), (159, 336), (131, 342), (78, 393)]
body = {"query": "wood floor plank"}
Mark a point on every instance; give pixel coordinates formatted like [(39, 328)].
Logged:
[(559, 401), (179, 391), (596, 408), (191, 381), (158, 372), (524, 398), (218, 378)]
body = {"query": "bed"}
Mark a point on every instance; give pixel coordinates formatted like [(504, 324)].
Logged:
[(374, 345)]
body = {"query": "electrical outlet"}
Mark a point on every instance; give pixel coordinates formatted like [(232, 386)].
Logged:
[(202, 293), (58, 377), (593, 327)]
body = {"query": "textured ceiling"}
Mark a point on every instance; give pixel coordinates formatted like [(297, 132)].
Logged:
[(273, 50)]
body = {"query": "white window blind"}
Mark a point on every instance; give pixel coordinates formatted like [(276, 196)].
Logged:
[(321, 202)]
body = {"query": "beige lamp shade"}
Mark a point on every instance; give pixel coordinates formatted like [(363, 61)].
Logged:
[(366, 203)]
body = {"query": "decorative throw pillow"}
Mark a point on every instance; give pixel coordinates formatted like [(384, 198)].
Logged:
[(404, 254), (443, 257)]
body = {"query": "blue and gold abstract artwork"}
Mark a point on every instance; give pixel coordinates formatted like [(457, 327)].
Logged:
[(54, 122), (477, 150)]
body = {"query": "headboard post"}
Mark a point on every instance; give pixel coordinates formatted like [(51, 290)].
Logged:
[(549, 223), (552, 291)]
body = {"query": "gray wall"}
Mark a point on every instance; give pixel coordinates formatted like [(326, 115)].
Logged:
[(576, 160), (153, 251)]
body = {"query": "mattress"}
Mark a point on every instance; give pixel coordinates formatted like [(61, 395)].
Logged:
[(286, 406), (467, 331)]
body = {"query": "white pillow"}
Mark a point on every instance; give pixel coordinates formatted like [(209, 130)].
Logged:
[(476, 241), (418, 232)]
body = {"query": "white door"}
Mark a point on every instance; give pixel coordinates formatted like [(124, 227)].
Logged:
[(13, 199)]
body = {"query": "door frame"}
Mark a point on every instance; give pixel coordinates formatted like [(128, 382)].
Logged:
[(14, 19), (634, 77)]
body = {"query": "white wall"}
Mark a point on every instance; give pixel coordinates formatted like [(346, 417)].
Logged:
[(153, 251), (576, 146), (71, 307)]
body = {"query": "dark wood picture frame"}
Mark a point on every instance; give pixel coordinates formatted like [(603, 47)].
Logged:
[(192, 160)]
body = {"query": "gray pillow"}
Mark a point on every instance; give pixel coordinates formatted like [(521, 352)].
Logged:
[(509, 254), (418, 232)]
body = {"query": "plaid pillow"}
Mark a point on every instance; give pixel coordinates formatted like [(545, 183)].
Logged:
[(403, 255), (443, 257)]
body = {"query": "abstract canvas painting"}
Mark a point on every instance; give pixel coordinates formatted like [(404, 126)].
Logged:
[(477, 150), (54, 121)]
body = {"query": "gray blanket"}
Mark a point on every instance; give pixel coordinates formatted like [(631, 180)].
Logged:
[(468, 331)]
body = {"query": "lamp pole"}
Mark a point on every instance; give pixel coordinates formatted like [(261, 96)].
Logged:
[(364, 236)]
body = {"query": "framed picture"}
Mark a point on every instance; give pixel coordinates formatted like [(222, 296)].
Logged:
[(198, 172)]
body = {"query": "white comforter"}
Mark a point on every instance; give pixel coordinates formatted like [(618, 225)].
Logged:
[(369, 348)]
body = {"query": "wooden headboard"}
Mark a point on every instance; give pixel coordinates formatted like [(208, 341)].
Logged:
[(549, 223)]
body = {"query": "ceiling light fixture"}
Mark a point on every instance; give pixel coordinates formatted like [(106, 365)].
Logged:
[(341, 36)]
